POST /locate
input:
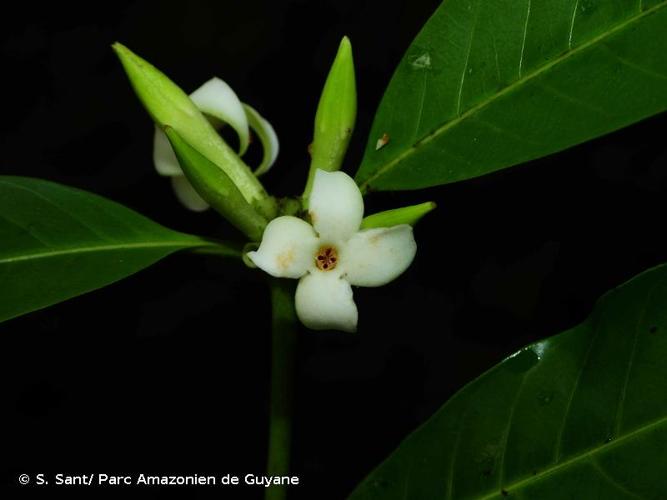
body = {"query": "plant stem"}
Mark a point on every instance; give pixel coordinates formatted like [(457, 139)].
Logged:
[(284, 325)]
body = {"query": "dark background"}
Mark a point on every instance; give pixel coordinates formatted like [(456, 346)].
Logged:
[(166, 372)]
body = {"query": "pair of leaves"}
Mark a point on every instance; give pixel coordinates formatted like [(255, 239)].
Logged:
[(57, 242)]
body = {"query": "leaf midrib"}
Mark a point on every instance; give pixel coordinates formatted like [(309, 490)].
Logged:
[(576, 458), (506, 90), (102, 248)]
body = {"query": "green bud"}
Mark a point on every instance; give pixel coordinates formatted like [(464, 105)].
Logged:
[(405, 215), (335, 117), (216, 188), (169, 106)]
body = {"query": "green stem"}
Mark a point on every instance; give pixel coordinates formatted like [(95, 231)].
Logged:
[(284, 326)]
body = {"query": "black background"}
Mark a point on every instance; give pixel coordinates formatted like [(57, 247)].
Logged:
[(166, 372)]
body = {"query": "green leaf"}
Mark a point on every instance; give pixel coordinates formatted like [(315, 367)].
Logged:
[(57, 242), (580, 415), (490, 84)]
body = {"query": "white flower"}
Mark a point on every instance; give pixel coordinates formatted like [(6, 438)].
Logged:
[(333, 254), (218, 101)]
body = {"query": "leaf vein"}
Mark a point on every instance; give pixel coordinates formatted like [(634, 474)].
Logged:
[(567, 97), (621, 399), (455, 452), (634, 66), (501, 464), (72, 216), (577, 458), (525, 35), (610, 479), (99, 248), (575, 386), (421, 104), (465, 67), (574, 16)]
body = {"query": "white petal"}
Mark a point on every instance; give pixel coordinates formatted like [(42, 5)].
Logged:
[(217, 99), (163, 156), (324, 302), (187, 195), (288, 248), (336, 206), (267, 137), (376, 256)]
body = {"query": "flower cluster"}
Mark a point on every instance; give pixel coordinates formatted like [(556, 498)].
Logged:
[(332, 254)]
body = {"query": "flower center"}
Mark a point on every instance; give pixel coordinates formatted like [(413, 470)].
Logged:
[(326, 258)]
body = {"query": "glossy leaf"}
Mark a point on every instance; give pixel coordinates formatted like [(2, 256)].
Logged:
[(582, 415), (488, 84), (57, 242)]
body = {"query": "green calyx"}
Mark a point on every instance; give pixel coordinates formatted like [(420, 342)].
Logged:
[(335, 117), (170, 107), (216, 187), (405, 215)]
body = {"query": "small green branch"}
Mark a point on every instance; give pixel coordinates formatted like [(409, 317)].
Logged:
[(284, 327)]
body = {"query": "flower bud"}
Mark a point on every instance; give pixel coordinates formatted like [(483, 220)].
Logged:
[(216, 188), (169, 106), (404, 215), (335, 117)]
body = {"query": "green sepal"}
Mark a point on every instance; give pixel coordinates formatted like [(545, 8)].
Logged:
[(216, 188), (405, 215), (169, 106), (335, 117)]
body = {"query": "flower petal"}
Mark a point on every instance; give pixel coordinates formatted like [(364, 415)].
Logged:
[(163, 156), (376, 256), (324, 302), (335, 206), (267, 137), (187, 195), (288, 248), (216, 98)]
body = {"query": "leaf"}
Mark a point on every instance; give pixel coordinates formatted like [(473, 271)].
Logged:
[(580, 415), (490, 84), (57, 242)]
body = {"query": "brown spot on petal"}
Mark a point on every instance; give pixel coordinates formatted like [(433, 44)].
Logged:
[(375, 239), (285, 259)]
